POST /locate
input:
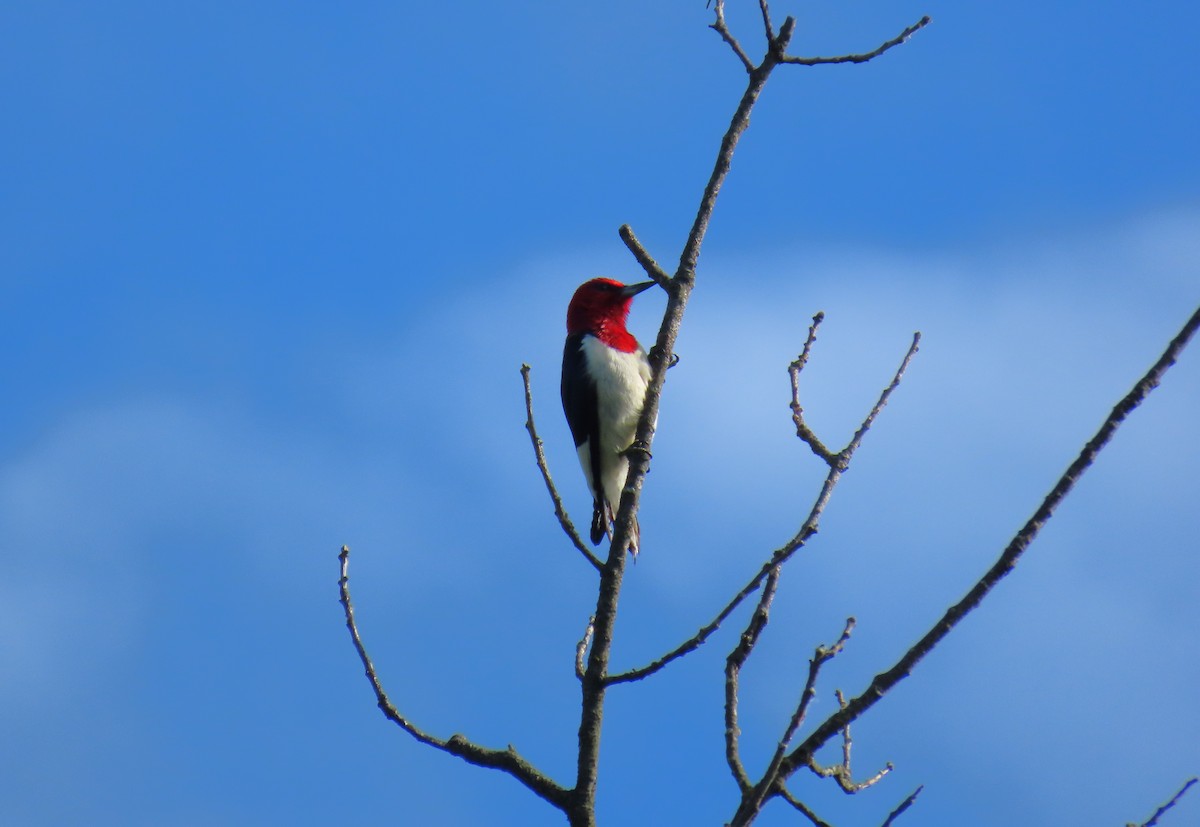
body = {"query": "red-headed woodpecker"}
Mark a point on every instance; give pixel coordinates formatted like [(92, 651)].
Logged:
[(604, 379)]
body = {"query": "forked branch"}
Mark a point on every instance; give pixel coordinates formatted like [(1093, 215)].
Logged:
[(772, 783), (884, 681), (842, 773), (777, 43)]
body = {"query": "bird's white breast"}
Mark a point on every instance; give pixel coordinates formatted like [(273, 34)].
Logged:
[(621, 380)]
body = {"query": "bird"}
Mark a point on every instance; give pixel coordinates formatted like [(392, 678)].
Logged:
[(604, 378)]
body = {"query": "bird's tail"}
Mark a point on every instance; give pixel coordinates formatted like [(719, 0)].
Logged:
[(602, 525), (602, 520)]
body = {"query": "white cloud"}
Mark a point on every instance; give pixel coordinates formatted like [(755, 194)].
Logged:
[(88, 511)]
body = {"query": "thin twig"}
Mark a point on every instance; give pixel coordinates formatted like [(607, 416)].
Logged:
[(861, 58), (1007, 561), (1161, 810), (695, 641), (787, 796), (653, 270), (902, 806), (720, 28), (686, 273), (559, 511), (881, 403), (771, 780), (508, 760), (733, 667), (766, 16), (842, 772), (802, 430), (810, 691), (784, 553)]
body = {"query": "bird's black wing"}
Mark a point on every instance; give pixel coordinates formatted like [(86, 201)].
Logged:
[(583, 416)]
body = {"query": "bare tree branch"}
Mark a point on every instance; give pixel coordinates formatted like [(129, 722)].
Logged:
[(508, 760), (787, 796), (771, 782), (737, 125), (559, 511), (881, 403), (802, 430), (904, 805), (862, 58), (648, 263), (807, 529), (1163, 809), (733, 667), (842, 773), (810, 691), (884, 681), (766, 17), (720, 28)]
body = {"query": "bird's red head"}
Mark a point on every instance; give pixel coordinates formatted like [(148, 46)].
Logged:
[(600, 307)]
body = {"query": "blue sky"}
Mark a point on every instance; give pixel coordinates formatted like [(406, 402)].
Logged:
[(269, 271)]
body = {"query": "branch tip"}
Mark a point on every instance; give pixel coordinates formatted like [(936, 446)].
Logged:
[(652, 268), (864, 57), (904, 805), (1163, 809)]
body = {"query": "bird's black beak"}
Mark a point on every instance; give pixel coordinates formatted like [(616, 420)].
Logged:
[(631, 290)]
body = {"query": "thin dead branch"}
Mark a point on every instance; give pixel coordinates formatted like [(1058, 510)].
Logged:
[(766, 18), (653, 270), (865, 56), (901, 807), (810, 691), (508, 760), (802, 430), (1164, 808), (842, 772), (771, 782), (720, 28), (733, 667), (787, 796), (559, 511)]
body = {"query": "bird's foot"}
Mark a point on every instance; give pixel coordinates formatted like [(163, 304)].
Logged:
[(674, 357), (637, 448)]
